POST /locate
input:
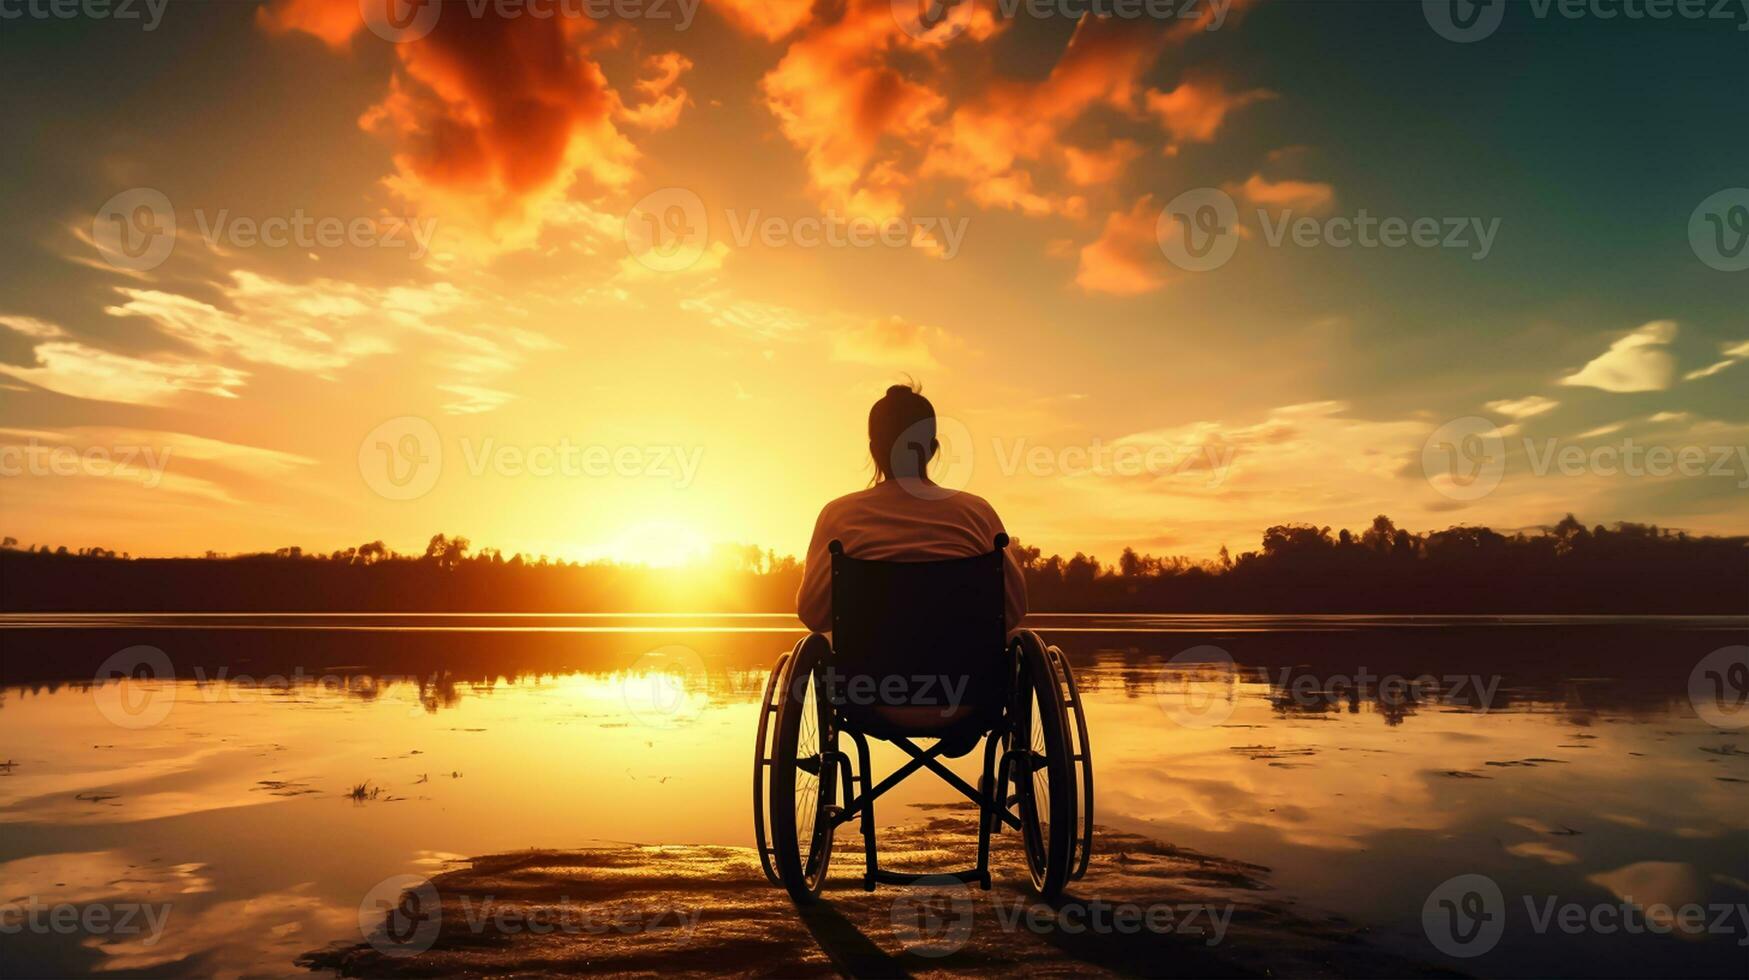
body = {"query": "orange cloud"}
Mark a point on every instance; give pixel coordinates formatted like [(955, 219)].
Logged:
[(1014, 124), (494, 118), (864, 93), (1292, 194), (331, 22), (1194, 111), (769, 19), (1089, 168), (837, 97), (665, 96), (893, 342), (1125, 259)]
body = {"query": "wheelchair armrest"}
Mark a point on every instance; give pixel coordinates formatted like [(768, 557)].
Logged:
[(812, 638)]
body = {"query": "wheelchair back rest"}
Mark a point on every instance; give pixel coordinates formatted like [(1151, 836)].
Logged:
[(919, 646)]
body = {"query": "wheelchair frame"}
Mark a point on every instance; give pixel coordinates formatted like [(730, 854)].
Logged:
[(1064, 857)]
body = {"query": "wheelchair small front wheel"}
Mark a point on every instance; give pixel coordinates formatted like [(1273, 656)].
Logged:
[(803, 774), (1044, 776)]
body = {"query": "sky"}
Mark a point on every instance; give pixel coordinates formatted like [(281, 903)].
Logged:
[(320, 272)]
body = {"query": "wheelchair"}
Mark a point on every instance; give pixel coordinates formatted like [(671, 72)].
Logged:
[(896, 627)]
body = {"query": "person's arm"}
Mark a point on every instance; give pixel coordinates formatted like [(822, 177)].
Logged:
[(1014, 588), (814, 598)]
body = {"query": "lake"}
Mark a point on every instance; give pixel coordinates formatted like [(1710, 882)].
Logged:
[(1582, 765)]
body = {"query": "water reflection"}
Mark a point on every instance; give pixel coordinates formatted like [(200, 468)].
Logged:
[(1559, 758)]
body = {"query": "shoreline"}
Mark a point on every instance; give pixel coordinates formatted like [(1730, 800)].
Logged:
[(1145, 908)]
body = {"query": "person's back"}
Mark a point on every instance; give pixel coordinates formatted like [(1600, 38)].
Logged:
[(903, 517)]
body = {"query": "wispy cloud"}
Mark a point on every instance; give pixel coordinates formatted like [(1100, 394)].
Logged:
[(1636, 362), (1733, 352), (78, 370), (890, 342), (1523, 408)]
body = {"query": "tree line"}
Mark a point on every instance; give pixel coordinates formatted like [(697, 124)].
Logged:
[(1299, 568)]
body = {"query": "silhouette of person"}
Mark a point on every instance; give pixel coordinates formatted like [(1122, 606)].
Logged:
[(904, 516)]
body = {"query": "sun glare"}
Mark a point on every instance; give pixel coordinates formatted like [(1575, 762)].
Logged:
[(658, 544)]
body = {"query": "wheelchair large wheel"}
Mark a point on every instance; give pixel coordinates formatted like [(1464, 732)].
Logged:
[(1081, 754), (1044, 777), (803, 775), (762, 756)]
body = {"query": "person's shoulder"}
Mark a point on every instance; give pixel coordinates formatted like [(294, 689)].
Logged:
[(853, 497), (971, 503), (849, 501)]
